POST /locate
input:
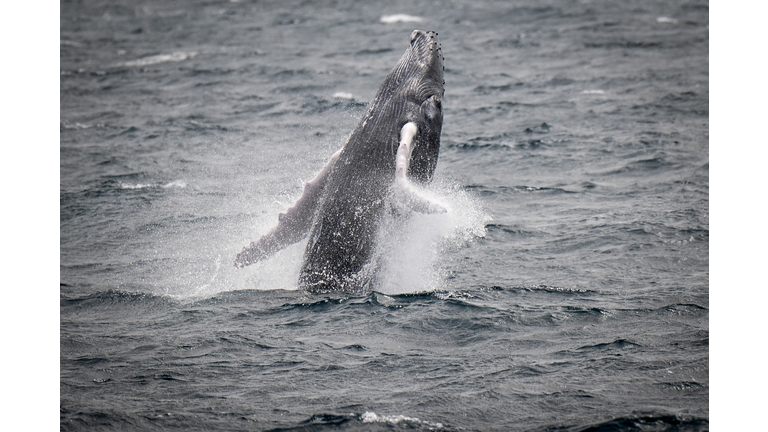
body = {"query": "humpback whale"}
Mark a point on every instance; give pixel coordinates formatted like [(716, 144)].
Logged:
[(392, 151)]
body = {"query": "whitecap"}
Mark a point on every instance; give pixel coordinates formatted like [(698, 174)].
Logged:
[(342, 95), (161, 58), (176, 183), (666, 20), (67, 125), (391, 19), (593, 92), (136, 186), (70, 43), (372, 417)]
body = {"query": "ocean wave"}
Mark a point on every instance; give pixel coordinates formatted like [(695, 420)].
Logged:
[(181, 184), (67, 125), (666, 20), (113, 297), (682, 385), (492, 190), (515, 230), (545, 288), (477, 146), (645, 422), (396, 18), (342, 95), (372, 417), (618, 344), (177, 56), (506, 141), (644, 166), (488, 89), (685, 309)]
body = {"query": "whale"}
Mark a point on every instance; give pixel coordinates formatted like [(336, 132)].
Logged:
[(379, 172)]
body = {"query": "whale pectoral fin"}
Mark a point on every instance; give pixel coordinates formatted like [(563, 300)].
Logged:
[(293, 225), (404, 190), (415, 200)]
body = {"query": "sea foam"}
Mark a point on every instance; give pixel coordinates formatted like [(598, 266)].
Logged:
[(160, 58), (391, 19)]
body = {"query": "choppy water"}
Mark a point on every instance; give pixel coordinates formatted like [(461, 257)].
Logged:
[(566, 290)]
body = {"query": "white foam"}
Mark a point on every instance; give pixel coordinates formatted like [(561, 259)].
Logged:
[(593, 92), (161, 58), (67, 125), (342, 95), (410, 251), (136, 186), (391, 19), (175, 183), (666, 20), (372, 417), (70, 43)]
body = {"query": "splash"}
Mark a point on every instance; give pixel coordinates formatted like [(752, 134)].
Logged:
[(410, 250)]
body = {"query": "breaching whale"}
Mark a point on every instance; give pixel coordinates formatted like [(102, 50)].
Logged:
[(392, 150)]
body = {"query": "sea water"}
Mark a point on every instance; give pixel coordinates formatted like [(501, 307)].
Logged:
[(566, 289)]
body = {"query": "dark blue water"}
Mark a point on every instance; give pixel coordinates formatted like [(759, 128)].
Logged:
[(566, 289)]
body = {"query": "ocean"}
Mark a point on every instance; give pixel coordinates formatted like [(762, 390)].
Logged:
[(566, 289)]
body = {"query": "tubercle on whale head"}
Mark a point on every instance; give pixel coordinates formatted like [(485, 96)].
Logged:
[(426, 52), (412, 92), (418, 74)]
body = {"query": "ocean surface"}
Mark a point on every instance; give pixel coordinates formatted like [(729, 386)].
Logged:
[(567, 288)]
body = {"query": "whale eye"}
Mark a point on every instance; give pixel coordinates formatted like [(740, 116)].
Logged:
[(436, 102), (432, 108)]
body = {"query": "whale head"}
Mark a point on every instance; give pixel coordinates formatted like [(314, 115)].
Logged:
[(422, 65), (425, 65), (413, 92), (421, 71)]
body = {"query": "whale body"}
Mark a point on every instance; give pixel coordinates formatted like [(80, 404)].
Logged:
[(389, 154)]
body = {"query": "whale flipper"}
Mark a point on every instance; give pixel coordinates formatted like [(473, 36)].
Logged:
[(404, 190), (293, 225)]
